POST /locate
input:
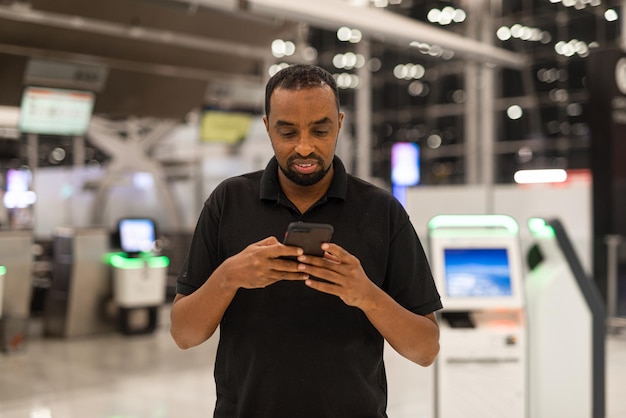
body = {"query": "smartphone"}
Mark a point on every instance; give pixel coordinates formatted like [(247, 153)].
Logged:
[(308, 236)]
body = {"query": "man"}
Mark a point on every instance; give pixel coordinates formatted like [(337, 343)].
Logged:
[(292, 345)]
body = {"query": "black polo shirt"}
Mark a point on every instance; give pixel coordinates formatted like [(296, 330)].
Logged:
[(288, 350)]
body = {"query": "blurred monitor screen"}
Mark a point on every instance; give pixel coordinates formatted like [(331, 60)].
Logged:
[(49, 111), (17, 193), (17, 180), (477, 272), (136, 235), (405, 164)]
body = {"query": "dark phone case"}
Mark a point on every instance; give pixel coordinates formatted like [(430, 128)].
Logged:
[(308, 236)]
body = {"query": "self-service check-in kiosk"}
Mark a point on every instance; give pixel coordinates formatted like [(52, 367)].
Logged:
[(139, 276), (566, 318), (76, 302), (16, 255), (481, 370)]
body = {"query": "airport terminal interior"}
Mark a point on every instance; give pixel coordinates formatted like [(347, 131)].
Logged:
[(498, 124)]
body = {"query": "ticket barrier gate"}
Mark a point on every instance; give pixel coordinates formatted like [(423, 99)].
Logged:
[(481, 370), (567, 327)]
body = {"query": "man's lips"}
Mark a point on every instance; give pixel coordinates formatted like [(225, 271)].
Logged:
[(305, 167)]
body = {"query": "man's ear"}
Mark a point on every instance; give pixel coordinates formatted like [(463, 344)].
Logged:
[(266, 122)]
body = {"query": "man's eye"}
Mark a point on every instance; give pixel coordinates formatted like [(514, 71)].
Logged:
[(287, 134), (320, 133)]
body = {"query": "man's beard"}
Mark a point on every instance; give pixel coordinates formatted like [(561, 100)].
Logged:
[(304, 179)]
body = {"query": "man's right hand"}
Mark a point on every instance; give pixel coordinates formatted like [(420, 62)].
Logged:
[(260, 265)]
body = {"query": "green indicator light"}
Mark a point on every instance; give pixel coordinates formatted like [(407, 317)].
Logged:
[(474, 221), (160, 261), (540, 228), (121, 261), (3, 270)]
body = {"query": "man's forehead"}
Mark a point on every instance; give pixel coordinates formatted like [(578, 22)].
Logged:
[(321, 88), (322, 121), (323, 92)]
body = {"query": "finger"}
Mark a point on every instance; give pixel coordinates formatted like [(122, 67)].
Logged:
[(269, 277), (288, 275), (268, 241), (335, 250), (320, 272), (328, 261), (272, 248), (281, 250), (287, 270), (324, 287), (286, 264), (328, 256), (296, 277)]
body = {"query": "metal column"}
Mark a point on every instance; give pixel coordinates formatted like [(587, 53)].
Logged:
[(363, 123)]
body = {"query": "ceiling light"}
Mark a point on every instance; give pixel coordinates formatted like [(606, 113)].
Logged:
[(514, 112), (434, 141), (540, 176), (610, 15), (344, 33), (417, 88), (356, 36), (278, 48), (574, 46), (446, 15), (503, 33), (348, 61), (374, 64), (409, 71), (274, 68), (346, 80)]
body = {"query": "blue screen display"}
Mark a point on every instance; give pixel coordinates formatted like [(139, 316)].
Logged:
[(477, 272), (137, 235)]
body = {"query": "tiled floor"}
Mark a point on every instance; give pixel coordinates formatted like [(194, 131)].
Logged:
[(116, 376)]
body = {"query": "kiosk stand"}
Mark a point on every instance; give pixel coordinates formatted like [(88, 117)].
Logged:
[(481, 370), (139, 288), (566, 318), (139, 276)]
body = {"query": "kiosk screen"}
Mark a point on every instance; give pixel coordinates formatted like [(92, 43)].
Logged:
[(136, 235), (477, 272)]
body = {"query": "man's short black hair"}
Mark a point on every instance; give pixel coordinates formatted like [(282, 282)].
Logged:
[(299, 76)]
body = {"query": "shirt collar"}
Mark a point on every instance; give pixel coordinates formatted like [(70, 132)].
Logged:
[(270, 187)]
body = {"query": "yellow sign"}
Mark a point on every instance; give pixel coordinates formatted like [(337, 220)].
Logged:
[(225, 127)]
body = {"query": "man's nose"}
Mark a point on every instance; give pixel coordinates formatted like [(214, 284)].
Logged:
[(305, 145)]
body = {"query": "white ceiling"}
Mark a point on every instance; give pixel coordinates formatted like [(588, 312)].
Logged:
[(160, 56)]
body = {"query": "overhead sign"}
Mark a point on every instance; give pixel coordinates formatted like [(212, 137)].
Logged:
[(55, 111), (52, 73)]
